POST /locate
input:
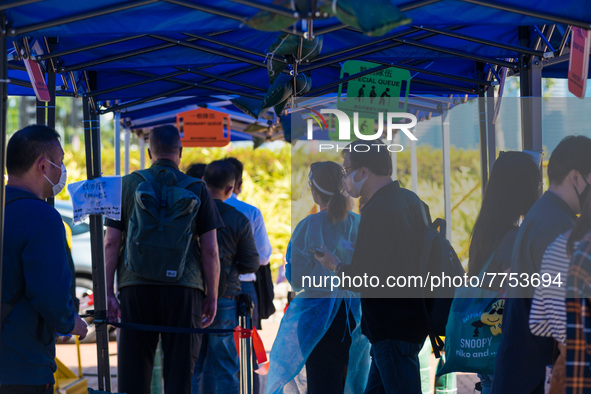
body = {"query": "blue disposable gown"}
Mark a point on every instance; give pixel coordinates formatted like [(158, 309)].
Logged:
[(311, 313)]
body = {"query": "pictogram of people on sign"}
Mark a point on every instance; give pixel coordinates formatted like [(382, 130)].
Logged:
[(384, 97), (361, 92), (372, 94)]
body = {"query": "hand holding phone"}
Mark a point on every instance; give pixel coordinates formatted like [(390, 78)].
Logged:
[(317, 251)]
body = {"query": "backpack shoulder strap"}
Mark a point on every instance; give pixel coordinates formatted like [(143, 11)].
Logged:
[(188, 181), (426, 247), (146, 174)]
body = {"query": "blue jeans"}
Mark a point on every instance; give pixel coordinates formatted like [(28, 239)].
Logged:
[(486, 381), (248, 288), (394, 368), (217, 367)]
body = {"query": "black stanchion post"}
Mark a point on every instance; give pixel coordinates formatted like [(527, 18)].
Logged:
[(40, 109), (245, 308), (51, 82), (50, 112)]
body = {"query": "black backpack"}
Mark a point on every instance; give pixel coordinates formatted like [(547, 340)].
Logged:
[(438, 257), (160, 234)]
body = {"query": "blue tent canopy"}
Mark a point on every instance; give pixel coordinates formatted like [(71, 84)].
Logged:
[(150, 49), (62, 18)]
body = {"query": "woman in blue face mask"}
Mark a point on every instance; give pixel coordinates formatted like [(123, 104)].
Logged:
[(320, 329)]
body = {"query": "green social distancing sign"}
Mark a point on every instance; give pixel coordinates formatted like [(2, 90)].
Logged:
[(383, 91)]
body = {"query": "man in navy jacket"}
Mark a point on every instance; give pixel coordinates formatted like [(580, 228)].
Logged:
[(36, 300), (522, 357)]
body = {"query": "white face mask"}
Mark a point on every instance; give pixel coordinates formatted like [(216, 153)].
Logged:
[(59, 186), (353, 188)]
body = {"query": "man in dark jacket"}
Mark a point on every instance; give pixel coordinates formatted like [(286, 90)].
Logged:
[(522, 357), (36, 276), (218, 365), (393, 222)]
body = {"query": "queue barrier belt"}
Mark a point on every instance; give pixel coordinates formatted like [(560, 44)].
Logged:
[(239, 332)]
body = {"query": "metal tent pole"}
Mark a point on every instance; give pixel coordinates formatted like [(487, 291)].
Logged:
[(530, 78), (3, 108), (117, 120), (49, 119), (482, 129), (446, 147), (40, 109), (51, 82), (142, 151), (99, 281), (413, 167), (127, 143), (491, 128), (14, 4), (99, 11), (395, 139), (55, 55), (529, 12)]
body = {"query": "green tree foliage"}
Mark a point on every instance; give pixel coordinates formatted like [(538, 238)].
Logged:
[(266, 182)]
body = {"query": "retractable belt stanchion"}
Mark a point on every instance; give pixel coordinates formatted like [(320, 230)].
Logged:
[(245, 308)]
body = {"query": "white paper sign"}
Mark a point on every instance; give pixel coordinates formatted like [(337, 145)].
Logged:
[(99, 196)]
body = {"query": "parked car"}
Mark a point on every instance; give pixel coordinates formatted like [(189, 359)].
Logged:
[(81, 254)]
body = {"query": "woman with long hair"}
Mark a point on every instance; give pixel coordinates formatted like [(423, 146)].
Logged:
[(513, 187), (320, 329)]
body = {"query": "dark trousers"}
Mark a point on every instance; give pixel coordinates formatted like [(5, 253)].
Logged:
[(26, 389), (162, 306), (394, 368), (326, 367)]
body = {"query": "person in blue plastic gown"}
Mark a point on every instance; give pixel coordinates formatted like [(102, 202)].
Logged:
[(320, 329)]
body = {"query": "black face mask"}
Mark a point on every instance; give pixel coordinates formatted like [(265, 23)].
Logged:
[(583, 194)]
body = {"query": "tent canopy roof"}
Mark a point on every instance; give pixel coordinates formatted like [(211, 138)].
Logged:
[(137, 51)]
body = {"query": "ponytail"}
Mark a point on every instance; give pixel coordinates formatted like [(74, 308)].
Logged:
[(338, 207), (325, 178)]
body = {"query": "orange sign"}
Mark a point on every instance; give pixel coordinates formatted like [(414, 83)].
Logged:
[(204, 127)]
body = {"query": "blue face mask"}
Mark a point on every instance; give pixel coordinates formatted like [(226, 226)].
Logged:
[(59, 186)]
